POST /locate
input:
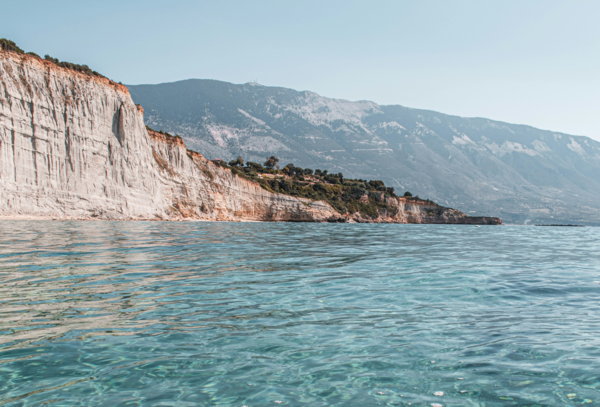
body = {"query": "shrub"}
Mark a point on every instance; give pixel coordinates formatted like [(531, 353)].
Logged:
[(375, 195), (265, 185), (256, 167), (8, 45), (75, 67), (53, 60), (357, 193), (332, 179)]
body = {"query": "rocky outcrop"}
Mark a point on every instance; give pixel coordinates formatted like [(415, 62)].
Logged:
[(75, 146), (420, 211)]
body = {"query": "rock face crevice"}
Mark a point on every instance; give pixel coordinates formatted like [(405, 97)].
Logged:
[(75, 146)]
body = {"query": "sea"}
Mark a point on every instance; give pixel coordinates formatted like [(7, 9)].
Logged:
[(298, 314)]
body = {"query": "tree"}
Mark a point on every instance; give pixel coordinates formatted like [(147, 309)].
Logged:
[(256, 167), (271, 162), (407, 194), (237, 163)]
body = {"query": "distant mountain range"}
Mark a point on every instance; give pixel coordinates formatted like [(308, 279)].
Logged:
[(479, 166)]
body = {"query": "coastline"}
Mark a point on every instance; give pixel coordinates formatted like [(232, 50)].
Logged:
[(75, 147)]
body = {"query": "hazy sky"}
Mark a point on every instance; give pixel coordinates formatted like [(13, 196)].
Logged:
[(529, 62)]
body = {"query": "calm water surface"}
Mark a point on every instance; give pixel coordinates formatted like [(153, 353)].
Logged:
[(229, 314)]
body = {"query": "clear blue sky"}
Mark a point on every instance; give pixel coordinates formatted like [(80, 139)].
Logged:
[(529, 62)]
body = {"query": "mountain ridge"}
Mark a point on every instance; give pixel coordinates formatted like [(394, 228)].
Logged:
[(479, 165)]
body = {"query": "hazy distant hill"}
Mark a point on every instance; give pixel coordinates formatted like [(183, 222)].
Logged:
[(479, 166)]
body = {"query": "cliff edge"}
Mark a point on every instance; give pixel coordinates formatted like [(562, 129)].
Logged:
[(74, 146)]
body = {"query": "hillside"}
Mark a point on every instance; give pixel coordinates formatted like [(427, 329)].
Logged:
[(480, 166)]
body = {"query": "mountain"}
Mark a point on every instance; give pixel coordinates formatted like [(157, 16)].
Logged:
[(516, 172)]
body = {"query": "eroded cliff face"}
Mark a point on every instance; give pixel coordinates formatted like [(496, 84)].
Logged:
[(75, 146), (71, 145)]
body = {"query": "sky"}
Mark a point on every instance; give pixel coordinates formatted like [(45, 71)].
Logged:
[(526, 62)]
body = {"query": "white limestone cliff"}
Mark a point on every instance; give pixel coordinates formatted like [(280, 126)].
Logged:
[(71, 145), (75, 146)]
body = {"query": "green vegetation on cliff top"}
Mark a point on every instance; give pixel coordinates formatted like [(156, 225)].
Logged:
[(8, 45), (369, 198)]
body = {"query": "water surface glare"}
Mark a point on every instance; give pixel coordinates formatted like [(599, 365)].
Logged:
[(261, 314)]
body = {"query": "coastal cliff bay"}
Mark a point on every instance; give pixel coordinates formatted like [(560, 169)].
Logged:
[(73, 145)]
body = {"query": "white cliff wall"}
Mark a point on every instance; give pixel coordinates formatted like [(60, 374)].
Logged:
[(71, 145)]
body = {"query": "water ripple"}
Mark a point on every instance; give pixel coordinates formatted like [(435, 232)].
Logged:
[(223, 314)]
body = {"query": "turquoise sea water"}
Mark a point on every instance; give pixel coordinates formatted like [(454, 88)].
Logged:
[(267, 314)]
